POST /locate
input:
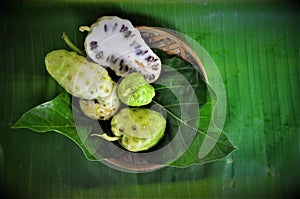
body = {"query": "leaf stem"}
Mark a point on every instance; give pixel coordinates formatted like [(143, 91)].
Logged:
[(71, 45)]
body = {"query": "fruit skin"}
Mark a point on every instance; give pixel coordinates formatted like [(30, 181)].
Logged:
[(103, 109), (85, 80), (134, 90), (79, 77), (139, 128), (115, 43)]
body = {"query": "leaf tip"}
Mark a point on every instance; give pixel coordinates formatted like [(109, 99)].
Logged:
[(16, 125)]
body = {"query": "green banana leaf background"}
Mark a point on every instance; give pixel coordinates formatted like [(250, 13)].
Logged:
[(256, 47)]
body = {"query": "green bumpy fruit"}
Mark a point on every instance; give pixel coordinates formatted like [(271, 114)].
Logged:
[(134, 90), (102, 109), (139, 129), (86, 80), (79, 77)]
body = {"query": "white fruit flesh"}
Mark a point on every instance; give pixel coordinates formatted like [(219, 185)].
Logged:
[(115, 43)]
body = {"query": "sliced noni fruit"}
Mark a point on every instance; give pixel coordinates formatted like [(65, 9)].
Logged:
[(115, 43)]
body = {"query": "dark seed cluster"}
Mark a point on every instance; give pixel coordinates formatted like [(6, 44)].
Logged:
[(99, 55), (150, 58), (149, 77), (127, 33), (110, 59), (123, 66), (155, 66), (93, 45), (123, 28)]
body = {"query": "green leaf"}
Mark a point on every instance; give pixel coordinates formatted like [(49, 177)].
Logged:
[(221, 148), (55, 115)]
